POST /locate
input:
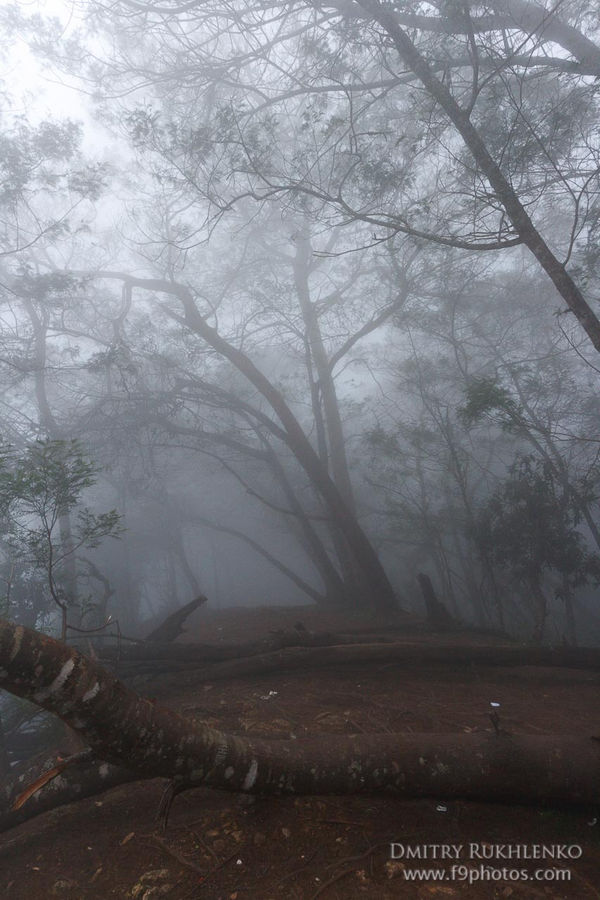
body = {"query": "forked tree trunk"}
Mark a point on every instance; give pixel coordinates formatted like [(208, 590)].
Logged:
[(336, 440), (379, 593), (125, 729)]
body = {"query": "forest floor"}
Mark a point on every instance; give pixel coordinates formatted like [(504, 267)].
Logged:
[(222, 847)]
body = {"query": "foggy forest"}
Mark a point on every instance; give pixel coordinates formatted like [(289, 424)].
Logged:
[(299, 443)]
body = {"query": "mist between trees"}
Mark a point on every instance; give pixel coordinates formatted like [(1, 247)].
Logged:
[(306, 307)]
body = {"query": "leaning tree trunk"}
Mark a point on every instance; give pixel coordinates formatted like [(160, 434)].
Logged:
[(356, 580), (380, 596), (125, 729), (505, 193)]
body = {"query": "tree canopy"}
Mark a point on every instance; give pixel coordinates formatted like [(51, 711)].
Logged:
[(331, 265)]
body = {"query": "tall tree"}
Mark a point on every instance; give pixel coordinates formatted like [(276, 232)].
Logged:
[(370, 584)]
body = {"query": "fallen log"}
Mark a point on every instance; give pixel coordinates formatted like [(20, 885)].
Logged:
[(291, 649), (202, 653), (398, 654), (127, 730), (162, 658)]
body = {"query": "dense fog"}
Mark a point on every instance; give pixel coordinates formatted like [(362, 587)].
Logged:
[(296, 304)]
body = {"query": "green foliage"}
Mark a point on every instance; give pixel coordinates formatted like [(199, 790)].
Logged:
[(529, 525), (25, 152), (40, 492), (486, 398), (47, 478), (383, 441)]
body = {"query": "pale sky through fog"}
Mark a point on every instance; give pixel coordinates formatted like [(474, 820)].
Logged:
[(41, 92)]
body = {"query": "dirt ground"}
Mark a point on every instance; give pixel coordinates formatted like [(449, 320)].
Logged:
[(222, 847)]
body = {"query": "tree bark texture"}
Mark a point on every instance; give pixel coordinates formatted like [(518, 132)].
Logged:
[(125, 729), (81, 780)]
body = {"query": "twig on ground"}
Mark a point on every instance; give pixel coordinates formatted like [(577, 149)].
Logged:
[(348, 868)]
